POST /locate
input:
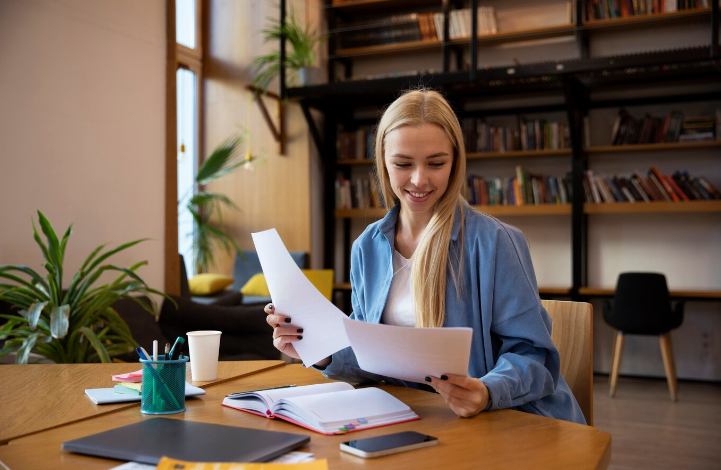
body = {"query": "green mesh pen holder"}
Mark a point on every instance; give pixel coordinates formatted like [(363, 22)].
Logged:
[(163, 390)]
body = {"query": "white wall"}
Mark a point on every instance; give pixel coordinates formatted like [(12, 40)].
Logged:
[(82, 127)]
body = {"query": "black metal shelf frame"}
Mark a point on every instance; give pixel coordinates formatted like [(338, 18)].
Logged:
[(572, 80)]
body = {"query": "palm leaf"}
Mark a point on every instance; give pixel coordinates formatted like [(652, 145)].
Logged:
[(220, 162)]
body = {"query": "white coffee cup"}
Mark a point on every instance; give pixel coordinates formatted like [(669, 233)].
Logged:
[(204, 347)]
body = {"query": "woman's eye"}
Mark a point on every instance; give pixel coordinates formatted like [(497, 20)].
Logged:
[(402, 165), (438, 164)]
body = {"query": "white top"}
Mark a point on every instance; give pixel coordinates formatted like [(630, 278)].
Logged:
[(399, 306)]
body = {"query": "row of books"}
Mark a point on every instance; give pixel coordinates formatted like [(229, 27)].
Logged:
[(609, 9), (459, 24), (537, 134), (356, 144), (387, 30), (358, 193), (677, 187), (523, 189), (414, 27), (674, 127)]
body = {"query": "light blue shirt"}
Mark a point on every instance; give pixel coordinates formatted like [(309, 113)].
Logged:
[(511, 352)]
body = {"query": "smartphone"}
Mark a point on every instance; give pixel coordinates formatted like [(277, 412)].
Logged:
[(388, 444)]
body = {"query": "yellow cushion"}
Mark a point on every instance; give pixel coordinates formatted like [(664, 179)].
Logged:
[(208, 283), (322, 279)]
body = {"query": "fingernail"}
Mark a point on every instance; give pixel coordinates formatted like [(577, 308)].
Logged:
[(300, 337), (270, 307), (444, 377), (300, 330), (287, 320), (428, 379)]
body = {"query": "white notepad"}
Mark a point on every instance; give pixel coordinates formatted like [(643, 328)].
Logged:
[(105, 396)]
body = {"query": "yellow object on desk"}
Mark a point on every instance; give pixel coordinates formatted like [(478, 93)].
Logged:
[(171, 464)]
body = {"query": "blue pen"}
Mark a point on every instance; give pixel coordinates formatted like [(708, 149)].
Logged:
[(173, 351), (142, 353)]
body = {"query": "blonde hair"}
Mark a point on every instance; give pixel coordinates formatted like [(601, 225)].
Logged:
[(430, 259)]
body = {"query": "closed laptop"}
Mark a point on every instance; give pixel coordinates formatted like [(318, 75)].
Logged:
[(150, 439)]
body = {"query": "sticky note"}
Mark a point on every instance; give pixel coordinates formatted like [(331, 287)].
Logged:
[(362, 420)]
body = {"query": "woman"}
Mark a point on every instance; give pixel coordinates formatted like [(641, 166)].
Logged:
[(435, 261)]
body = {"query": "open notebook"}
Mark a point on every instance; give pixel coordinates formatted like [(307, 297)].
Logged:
[(330, 408)]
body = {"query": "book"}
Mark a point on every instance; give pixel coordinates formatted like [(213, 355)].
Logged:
[(329, 408)]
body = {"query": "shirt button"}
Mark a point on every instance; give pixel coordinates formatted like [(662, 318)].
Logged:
[(500, 402)]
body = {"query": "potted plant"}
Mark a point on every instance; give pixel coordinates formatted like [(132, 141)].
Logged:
[(205, 206), (300, 56), (72, 324)]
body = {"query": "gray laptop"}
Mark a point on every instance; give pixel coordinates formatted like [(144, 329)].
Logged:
[(153, 438)]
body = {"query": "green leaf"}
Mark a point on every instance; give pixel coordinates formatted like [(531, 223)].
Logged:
[(56, 257), (220, 162), (96, 343), (60, 321), (25, 349), (34, 314)]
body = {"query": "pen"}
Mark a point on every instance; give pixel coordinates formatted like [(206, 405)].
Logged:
[(263, 389), (155, 349), (167, 350), (141, 352), (175, 350)]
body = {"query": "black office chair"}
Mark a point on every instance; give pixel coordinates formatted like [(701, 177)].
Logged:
[(642, 306)]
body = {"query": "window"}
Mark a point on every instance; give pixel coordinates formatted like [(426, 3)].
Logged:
[(188, 79)]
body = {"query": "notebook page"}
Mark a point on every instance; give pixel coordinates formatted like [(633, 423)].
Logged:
[(273, 396), (365, 403)]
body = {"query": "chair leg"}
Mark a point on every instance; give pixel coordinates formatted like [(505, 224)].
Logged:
[(617, 351), (668, 363)]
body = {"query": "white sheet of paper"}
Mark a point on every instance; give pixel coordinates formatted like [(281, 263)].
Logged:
[(295, 296), (409, 353)]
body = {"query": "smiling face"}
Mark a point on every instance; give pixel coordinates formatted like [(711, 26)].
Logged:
[(419, 162)]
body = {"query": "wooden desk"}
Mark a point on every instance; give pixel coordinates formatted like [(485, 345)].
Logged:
[(495, 440), (36, 397)]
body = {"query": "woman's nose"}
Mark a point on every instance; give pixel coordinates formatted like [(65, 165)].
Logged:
[(419, 177)]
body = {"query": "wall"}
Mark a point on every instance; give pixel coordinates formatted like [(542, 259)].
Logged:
[(277, 193), (82, 128)]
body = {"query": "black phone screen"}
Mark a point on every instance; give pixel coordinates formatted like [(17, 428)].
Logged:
[(389, 441)]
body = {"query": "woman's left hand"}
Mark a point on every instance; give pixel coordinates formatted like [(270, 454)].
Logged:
[(466, 396)]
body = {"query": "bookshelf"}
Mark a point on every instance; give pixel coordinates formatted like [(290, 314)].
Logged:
[(579, 85)]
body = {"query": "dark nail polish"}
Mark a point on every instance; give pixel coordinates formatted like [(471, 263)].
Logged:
[(270, 307), (287, 320), (428, 379), (300, 337), (300, 330), (444, 377)]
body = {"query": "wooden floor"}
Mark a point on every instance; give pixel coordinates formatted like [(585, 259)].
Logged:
[(649, 431)]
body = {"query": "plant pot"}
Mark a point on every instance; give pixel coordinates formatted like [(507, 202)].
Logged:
[(307, 75)]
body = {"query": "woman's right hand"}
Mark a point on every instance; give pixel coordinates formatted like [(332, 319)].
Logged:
[(284, 334)]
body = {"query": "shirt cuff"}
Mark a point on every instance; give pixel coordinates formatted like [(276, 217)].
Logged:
[(498, 393)]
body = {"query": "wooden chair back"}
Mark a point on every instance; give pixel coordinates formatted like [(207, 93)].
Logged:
[(573, 336)]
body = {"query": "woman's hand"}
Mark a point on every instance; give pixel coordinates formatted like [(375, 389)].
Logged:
[(466, 396), (284, 334)]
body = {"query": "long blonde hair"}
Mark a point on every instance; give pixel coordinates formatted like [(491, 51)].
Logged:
[(430, 259)]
